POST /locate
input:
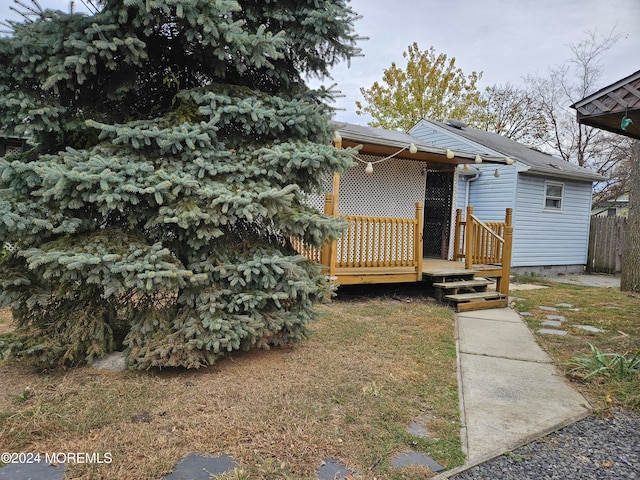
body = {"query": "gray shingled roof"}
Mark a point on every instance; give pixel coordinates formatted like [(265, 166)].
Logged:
[(395, 138), (538, 162)]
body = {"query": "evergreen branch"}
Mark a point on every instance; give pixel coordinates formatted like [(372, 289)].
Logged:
[(90, 6), (38, 12)]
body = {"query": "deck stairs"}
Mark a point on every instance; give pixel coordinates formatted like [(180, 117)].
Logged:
[(465, 290)]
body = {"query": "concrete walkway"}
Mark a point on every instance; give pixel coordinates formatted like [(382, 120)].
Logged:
[(510, 392)]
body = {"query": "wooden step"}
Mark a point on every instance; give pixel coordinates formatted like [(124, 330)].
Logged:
[(478, 282), (448, 277), (477, 301), (482, 305), (468, 297), (454, 287)]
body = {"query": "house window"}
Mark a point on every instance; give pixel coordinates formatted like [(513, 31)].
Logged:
[(553, 196)]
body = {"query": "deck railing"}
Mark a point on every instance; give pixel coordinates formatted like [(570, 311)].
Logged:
[(309, 251), (377, 242), (372, 243), (485, 243)]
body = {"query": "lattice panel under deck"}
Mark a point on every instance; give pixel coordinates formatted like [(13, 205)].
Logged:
[(12, 149)]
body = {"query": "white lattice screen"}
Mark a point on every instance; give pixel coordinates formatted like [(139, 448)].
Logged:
[(392, 190)]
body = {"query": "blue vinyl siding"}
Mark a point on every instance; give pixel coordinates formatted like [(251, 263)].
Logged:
[(543, 237), (489, 196)]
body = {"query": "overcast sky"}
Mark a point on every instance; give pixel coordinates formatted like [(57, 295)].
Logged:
[(504, 39)]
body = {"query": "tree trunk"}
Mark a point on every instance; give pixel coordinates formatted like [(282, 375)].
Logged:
[(630, 279)]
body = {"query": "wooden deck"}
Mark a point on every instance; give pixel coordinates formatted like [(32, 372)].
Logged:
[(433, 267), (389, 250)]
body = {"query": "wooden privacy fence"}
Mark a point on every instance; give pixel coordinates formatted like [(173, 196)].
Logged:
[(606, 243)]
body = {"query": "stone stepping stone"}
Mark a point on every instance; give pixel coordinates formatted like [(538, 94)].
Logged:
[(589, 328), (405, 459), (558, 318), (564, 305), (31, 471), (548, 309), (331, 469), (199, 467), (526, 314), (115, 361), (418, 430), (419, 427), (551, 331), (552, 323)]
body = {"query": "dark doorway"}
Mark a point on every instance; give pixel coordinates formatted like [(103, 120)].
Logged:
[(438, 200)]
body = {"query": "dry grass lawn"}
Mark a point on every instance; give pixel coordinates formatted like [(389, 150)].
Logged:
[(616, 313), (373, 366), (6, 321)]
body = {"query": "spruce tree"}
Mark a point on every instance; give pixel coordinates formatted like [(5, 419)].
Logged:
[(175, 143)]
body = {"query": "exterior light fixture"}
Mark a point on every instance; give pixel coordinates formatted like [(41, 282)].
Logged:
[(478, 159), (449, 154), (369, 165), (509, 161), (496, 173)]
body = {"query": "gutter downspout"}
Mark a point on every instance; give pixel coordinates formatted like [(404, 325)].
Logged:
[(466, 188)]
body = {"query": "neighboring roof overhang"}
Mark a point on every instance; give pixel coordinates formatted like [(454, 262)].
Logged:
[(606, 108), (376, 141)]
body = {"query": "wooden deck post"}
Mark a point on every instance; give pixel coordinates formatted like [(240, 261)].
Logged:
[(337, 142), (456, 235), (503, 281), (336, 193), (417, 240), (328, 254), (469, 227)]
